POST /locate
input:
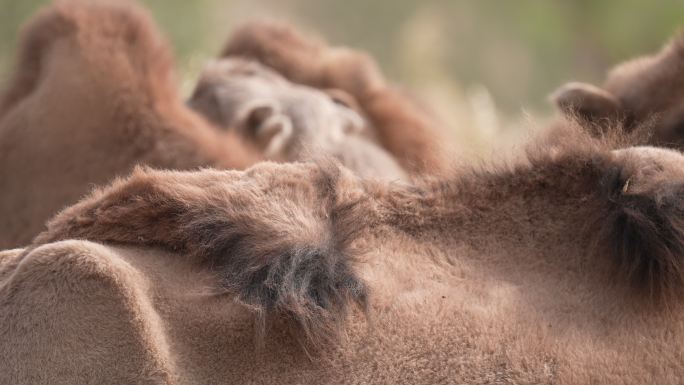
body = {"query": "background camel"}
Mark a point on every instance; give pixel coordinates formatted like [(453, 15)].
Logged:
[(644, 93), (290, 122), (94, 95), (562, 266), (403, 127)]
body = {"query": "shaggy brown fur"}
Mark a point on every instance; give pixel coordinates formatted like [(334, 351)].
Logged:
[(540, 271), (93, 95), (289, 122), (271, 252), (403, 127), (647, 91)]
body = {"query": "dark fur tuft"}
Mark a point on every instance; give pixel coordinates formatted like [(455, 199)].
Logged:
[(287, 257), (645, 233), (311, 284)]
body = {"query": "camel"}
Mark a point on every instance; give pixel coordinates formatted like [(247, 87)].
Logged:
[(287, 121), (562, 265), (94, 95), (403, 126), (559, 266), (643, 94)]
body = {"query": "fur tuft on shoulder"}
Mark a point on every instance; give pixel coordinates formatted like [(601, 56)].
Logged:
[(279, 245), (643, 225), (639, 218)]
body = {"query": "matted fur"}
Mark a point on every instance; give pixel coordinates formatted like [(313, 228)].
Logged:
[(644, 226), (279, 240)]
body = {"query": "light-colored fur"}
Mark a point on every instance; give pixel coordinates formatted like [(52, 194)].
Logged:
[(287, 121), (563, 266), (403, 126)]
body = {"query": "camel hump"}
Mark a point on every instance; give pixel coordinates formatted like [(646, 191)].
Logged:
[(101, 30), (76, 297), (644, 225)]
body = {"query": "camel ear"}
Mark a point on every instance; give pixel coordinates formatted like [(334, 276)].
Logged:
[(267, 125), (585, 101)]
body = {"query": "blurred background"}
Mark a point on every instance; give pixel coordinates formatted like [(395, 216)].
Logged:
[(486, 66)]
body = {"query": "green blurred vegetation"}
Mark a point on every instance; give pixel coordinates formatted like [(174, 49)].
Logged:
[(495, 55)]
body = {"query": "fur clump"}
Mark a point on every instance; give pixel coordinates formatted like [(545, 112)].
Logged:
[(638, 217), (631, 200), (312, 284), (644, 231), (274, 256)]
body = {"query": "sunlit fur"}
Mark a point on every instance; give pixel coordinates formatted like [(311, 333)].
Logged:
[(560, 265)]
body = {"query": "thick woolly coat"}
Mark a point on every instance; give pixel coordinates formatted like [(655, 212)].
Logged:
[(563, 266)]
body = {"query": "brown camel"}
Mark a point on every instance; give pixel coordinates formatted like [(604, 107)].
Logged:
[(561, 266), (289, 122), (646, 94), (93, 95), (404, 127)]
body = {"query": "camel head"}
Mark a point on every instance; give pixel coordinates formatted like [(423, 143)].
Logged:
[(288, 121)]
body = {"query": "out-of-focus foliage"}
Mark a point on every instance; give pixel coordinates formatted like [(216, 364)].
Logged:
[(479, 62)]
